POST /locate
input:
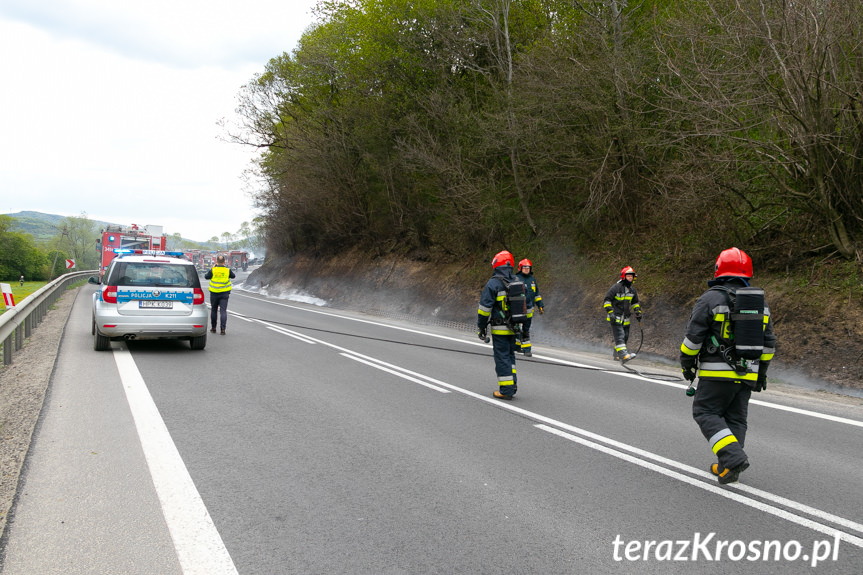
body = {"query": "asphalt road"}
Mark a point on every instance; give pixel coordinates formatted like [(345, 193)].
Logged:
[(309, 440)]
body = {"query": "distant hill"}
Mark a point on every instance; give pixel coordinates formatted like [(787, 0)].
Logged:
[(46, 226), (40, 226)]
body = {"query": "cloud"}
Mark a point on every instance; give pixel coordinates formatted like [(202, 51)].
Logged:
[(112, 108), (181, 33)]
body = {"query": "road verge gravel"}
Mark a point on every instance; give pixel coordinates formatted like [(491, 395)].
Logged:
[(23, 385)]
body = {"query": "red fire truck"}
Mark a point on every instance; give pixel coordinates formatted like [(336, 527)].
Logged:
[(237, 259), (132, 237), (196, 257)]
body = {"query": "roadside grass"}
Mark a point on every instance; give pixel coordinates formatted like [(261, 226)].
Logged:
[(19, 292)]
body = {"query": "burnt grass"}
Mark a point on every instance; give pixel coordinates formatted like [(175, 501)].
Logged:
[(817, 324)]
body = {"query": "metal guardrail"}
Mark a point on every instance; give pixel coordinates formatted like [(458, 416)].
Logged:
[(18, 323)]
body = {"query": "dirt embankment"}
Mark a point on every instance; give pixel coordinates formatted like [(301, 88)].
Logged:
[(819, 346)]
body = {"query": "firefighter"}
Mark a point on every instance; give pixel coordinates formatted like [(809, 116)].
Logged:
[(492, 312), (220, 290), (534, 300), (620, 303), (721, 401)]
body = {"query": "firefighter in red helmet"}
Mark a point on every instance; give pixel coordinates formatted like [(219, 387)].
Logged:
[(491, 313), (728, 345), (534, 301), (620, 303)]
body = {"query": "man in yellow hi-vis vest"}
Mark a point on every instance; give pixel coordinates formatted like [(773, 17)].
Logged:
[(220, 289)]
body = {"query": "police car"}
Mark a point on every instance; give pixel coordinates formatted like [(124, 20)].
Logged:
[(146, 294)]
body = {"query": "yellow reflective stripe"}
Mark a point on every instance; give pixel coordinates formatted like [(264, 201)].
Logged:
[(724, 442), (728, 375), (501, 330), (220, 279), (483, 312), (687, 351)]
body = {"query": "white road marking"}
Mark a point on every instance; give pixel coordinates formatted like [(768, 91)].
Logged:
[(806, 412), (381, 366), (703, 479), (200, 549), (289, 333), (711, 487)]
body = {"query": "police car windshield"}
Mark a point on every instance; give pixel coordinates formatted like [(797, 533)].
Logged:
[(147, 274)]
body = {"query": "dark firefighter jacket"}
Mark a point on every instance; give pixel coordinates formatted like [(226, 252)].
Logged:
[(532, 290), (622, 300), (491, 302), (707, 325)]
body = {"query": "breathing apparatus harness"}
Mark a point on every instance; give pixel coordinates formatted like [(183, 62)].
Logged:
[(742, 333)]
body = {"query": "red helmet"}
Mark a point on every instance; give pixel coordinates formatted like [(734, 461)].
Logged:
[(627, 270), (524, 263), (733, 262), (502, 258)]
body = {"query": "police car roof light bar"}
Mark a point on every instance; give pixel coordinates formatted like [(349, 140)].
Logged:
[(127, 252)]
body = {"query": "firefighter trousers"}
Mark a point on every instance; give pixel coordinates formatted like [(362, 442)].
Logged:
[(720, 409), (620, 334), (504, 363), (525, 334)]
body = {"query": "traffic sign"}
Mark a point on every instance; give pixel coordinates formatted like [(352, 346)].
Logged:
[(8, 298), (70, 264)]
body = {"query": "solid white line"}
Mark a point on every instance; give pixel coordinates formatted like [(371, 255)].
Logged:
[(642, 455), (762, 403), (394, 372), (712, 488), (200, 549)]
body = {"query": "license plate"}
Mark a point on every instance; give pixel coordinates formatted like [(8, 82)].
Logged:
[(154, 303)]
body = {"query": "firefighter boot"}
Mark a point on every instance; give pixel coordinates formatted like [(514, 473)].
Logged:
[(725, 475), (625, 356), (499, 395), (525, 344)]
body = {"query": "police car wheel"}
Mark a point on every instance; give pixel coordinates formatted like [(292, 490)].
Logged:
[(100, 342), (199, 342)]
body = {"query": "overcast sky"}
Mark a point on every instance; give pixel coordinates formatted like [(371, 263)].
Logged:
[(110, 107)]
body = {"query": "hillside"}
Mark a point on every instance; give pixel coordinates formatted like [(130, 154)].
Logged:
[(818, 329), (46, 226), (40, 225)]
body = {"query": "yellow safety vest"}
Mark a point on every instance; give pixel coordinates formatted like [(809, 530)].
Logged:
[(221, 280)]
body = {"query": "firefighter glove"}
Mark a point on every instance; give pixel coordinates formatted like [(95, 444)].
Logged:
[(541, 309), (689, 366), (638, 316), (482, 333), (761, 383)]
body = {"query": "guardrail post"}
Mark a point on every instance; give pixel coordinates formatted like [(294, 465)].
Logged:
[(7, 351)]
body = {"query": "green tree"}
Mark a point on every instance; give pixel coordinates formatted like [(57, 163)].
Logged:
[(80, 235), (19, 254), (770, 92)]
